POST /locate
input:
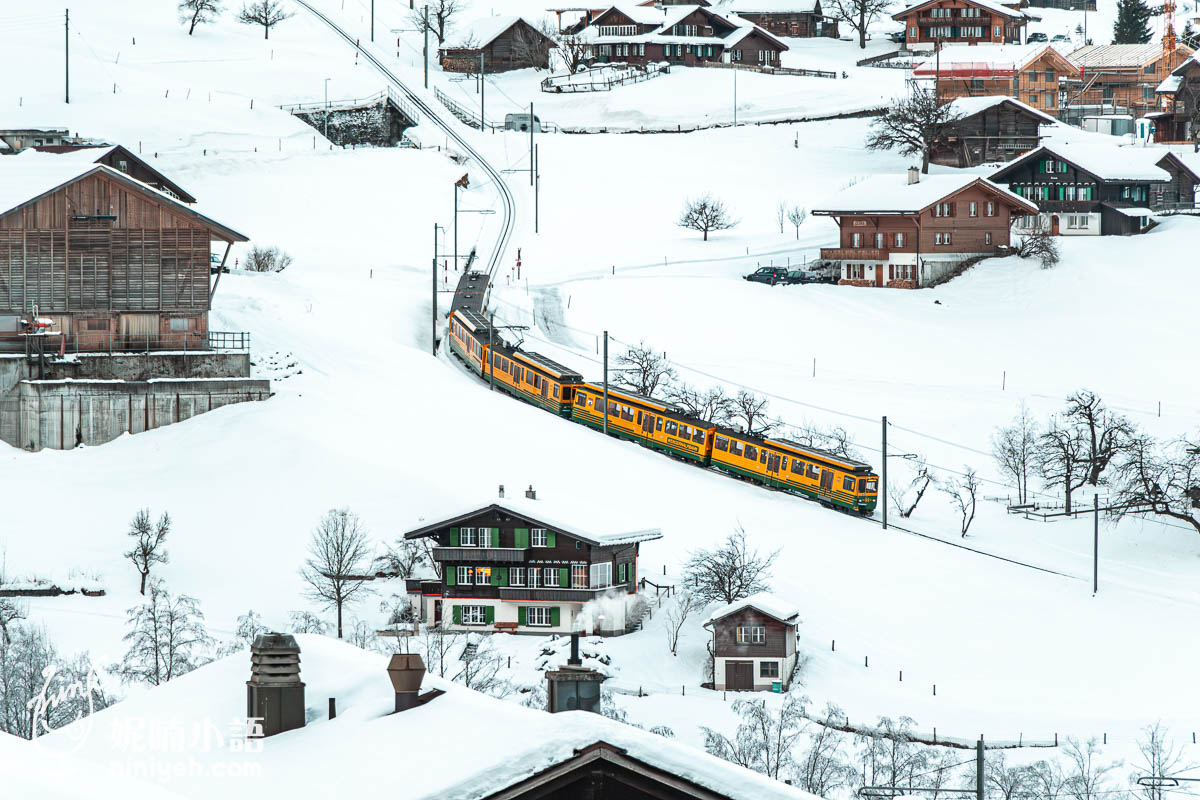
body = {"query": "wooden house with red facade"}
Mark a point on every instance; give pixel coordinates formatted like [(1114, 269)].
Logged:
[(113, 262), (795, 18), (686, 35), (499, 44), (754, 644), (988, 129), (931, 22), (906, 232), (1179, 95), (1031, 73)]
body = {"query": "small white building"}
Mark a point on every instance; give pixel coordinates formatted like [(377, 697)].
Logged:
[(754, 644)]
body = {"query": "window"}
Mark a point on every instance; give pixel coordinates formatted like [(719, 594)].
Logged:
[(465, 576), (685, 432), (721, 443), (974, 209), (601, 575), (473, 615), (537, 615), (880, 240), (536, 577), (538, 537), (987, 237), (1032, 99), (768, 669), (943, 210), (672, 428), (698, 436), (581, 399), (847, 483), (9, 323), (181, 323), (941, 238), (1049, 99), (912, 33), (123, 166), (797, 466), (1049, 76), (483, 575), (1147, 92), (466, 537), (856, 240), (751, 452), (1148, 69), (622, 572), (516, 576), (579, 576), (991, 209), (735, 447), (814, 471), (751, 634), (88, 325)]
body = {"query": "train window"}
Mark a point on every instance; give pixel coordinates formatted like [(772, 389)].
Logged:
[(721, 443), (783, 464), (613, 409), (735, 447), (751, 452), (763, 457), (639, 418), (848, 483), (862, 485), (672, 428), (627, 413), (685, 431), (797, 466), (814, 471), (872, 485), (659, 422), (698, 436), (556, 391)]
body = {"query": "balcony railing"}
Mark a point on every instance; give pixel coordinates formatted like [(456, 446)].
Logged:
[(551, 595), (849, 253), (105, 342), (480, 555)]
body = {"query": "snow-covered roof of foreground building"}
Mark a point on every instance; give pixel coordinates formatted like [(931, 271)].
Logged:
[(1106, 162), (1170, 84), (893, 194), (993, 56), (771, 605), (997, 8), (586, 524), (461, 745), (970, 106)]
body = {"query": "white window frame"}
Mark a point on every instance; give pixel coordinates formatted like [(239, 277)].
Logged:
[(579, 576), (751, 634), (516, 576), (973, 209), (542, 616), (466, 537), (483, 576), (538, 537), (465, 576), (600, 575), (477, 615)]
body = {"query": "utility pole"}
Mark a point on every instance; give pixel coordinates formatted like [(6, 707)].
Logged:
[(433, 327), (491, 353), (537, 183), (456, 227), (425, 26), (372, 21), (67, 55), (734, 93), (883, 480), (327, 80), (979, 769), (531, 143), (482, 86), (605, 411), (1095, 543)]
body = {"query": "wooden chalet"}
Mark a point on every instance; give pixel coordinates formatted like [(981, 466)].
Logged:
[(989, 129), (686, 35), (512, 565), (1030, 73), (910, 231), (795, 18), (500, 44), (754, 644), (1088, 190), (1119, 78), (113, 262), (962, 22), (1179, 96), (15, 140), (122, 160)]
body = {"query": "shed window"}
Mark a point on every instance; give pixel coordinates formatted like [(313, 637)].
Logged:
[(181, 323), (751, 634), (768, 669)]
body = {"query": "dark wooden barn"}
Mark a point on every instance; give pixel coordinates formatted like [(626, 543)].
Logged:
[(122, 160), (503, 44), (989, 129), (796, 18), (114, 263)]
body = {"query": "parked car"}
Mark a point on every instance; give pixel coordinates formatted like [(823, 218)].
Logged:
[(1036, 37), (806, 276), (1060, 37), (896, 37), (769, 275)]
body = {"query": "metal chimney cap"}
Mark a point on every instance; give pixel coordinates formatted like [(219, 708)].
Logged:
[(406, 670), (274, 640)]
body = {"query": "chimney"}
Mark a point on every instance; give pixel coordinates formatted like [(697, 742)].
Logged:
[(406, 671), (573, 687), (530, 494), (275, 692), (914, 175), (502, 491), (574, 660)]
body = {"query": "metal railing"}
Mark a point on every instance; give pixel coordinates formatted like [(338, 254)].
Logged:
[(469, 117), (107, 342), (766, 69), (569, 83), (388, 95)]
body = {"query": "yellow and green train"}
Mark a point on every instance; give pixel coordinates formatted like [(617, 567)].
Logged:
[(778, 463)]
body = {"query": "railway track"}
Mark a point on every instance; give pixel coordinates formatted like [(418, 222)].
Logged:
[(508, 210)]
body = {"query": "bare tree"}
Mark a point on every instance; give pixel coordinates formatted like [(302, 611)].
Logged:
[(30, 670), (1046, 780), (684, 605), (705, 214), (1061, 459), (963, 490), (823, 769), (905, 500), (1006, 782), (198, 12), (572, 51), (531, 46), (1105, 433), (796, 215), (711, 405), (438, 645), (267, 13), (11, 611), (442, 15), (1086, 778), (149, 543), (1160, 757), (428, 543), (858, 14), (728, 573), (337, 558), (643, 370), (267, 259), (166, 638), (481, 667), (834, 439), (764, 739), (249, 626), (751, 411), (781, 214), (913, 124), (891, 754), (1039, 244), (401, 560), (1015, 450), (1161, 480), (307, 622)]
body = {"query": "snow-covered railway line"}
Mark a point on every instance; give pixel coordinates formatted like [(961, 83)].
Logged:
[(508, 210)]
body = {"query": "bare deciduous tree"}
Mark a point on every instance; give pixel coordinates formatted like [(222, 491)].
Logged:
[(796, 215), (401, 560), (149, 543), (781, 211), (437, 646), (307, 622), (481, 667), (29, 664), (1086, 778), (834, 439), (891, 757), (1061, 458), (711, 405), (572, 51), (1046, 780), (1015, 450), (912, 124), (337, 554), (1161, 480), (1004, 781), (905, 500), (249, 626), (1105, 433), (705, 214), (267, 259), (822, 770), (442, 15), (1160, 757), (428, 543), (729, 572), (198, 12), (641, 369), (764, 739), (531, 47), (11, 611), (963, 490), (684, 605), (267, 13), (751, 411), (1041, 245), (166, 638), (858, 14)]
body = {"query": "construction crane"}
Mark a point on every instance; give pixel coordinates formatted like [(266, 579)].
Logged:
[(1169, 43)]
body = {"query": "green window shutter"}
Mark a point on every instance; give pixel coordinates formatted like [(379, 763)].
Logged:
[(521, 537), (495, 537), (451, 575), (489, 614), (1042, 167), (457, 615), (498, 575), (503, 575), (454, 537), (1062, 193), (564, 577), (551, 538), (522, 615), (554, 616)]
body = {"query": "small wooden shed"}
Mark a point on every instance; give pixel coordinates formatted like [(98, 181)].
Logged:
[(503, 44), (754, 644)]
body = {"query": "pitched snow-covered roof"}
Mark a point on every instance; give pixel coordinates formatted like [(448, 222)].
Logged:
[(970, 106), (1106, 162), (507, 743), (773, 6), (771, 605), (1170, 84), (643, 15), (1094, 56), (893, 194), (1016, 56), (485, 30), (602, 527), (996, 8), (95, 154), (667, 17)]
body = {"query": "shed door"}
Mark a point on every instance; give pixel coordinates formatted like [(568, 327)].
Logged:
[(739, 676)]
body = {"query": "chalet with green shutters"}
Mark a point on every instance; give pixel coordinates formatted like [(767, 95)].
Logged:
[(516, 566)]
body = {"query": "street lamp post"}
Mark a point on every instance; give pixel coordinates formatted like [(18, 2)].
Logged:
[(327, 80), (433, 328)]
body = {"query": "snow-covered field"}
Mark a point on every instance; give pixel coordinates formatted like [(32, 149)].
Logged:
[(368, 419)]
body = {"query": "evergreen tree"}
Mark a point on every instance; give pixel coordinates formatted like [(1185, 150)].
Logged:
[(1133, 22)]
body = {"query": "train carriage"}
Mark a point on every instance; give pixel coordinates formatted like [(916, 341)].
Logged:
[(533, 378), (470, 336), (654, 423)]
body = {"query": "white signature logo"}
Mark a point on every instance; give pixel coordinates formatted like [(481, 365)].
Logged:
[(70, 694)]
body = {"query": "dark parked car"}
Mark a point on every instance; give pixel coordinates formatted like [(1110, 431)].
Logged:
[(771, 275), (806, 276), (1035, 37)]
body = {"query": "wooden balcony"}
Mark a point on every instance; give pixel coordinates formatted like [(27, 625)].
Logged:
[(853, 254), (551, 595), (480, 555)]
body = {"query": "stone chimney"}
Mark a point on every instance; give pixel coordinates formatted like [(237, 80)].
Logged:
[(530, 494), (406, 671), (573, 687), (502, 491), (914, 175), (275, 692)]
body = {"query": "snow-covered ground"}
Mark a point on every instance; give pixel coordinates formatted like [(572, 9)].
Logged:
[(369, 420)]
